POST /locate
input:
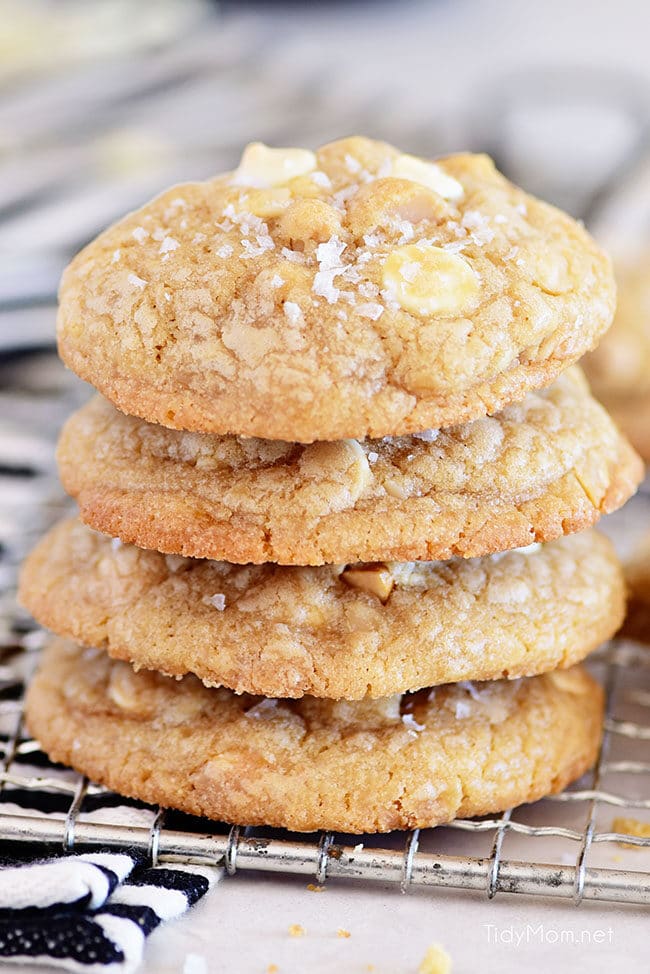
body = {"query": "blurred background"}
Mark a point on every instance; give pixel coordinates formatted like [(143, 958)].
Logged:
[(105, 102)]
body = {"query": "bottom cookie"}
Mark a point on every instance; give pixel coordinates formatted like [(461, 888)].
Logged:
[(411, 760)]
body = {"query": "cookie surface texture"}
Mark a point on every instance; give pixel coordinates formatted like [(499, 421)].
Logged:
[(548, 466), (368, 630)]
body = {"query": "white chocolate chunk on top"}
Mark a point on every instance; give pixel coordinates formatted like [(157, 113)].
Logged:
[(427, 174), (431, 281), (262, 166)]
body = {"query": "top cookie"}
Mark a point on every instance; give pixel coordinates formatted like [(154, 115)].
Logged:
[(351, 292)]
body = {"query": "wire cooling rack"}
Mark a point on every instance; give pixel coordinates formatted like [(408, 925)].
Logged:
[(568, 846)]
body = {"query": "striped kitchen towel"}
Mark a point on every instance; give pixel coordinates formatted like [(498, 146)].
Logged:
[(92, 912)]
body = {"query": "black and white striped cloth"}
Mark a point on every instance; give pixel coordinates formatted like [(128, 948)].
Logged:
[(91, 912)]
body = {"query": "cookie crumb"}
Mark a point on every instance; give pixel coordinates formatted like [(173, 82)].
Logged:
[(295, 930), (272, 969), (435, 961), (313, 888), (631, 826), (343, 934)]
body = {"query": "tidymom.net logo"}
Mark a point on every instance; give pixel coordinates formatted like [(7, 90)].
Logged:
[(520, 935)]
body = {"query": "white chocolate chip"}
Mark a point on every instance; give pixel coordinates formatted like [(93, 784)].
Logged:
[(372, 579), (427, 174), (442, 284), (266, 203), (122, 687), (359, 474), (551, 273), (262, 166)]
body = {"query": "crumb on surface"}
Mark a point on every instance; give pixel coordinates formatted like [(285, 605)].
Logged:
[(343, 934), (296, 930), (272, 969), (631, 826), (435, 961), (314, 888)]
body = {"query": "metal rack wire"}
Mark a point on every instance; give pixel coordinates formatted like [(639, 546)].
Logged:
[(565, 846)]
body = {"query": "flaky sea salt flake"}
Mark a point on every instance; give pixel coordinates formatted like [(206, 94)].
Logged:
[(368, 290), (324, 286), (428, 436), (328, 254), (370, 309), (168, 244), (372, 240), (293, 312)]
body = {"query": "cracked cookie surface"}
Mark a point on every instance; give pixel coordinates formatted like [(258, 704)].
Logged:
[(351, 292), (548, 466), (402, 762), (369, 630)]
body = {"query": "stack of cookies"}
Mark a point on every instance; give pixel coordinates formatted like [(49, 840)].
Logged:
[(327, 572)]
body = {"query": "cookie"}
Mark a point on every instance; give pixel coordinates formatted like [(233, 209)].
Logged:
[(632, 415), (619, 369), (365, 630), (369, 766), (637, 574), (545, 467), (352, 292)]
